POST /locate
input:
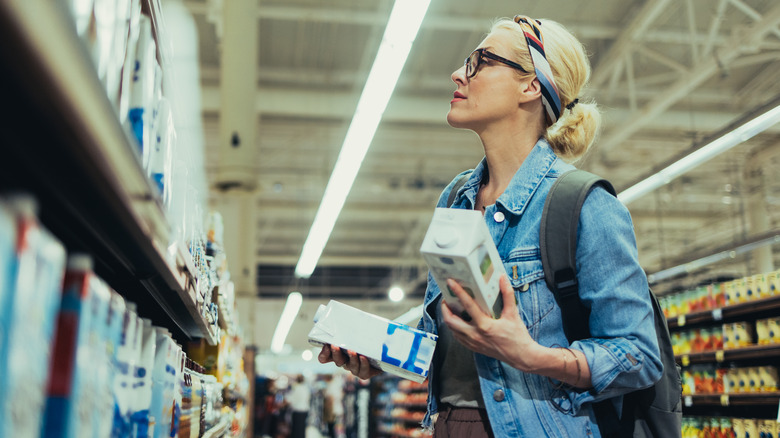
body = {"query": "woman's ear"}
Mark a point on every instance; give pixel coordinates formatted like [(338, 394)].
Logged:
[(530, 89)]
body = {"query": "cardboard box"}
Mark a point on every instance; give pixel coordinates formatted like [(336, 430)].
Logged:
[(458, 245), (392, 347)]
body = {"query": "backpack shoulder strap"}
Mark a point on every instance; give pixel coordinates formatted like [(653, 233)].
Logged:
[(456, 188), (558, 244)]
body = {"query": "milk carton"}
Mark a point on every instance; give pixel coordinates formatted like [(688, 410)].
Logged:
[(392, 347), (458, 245)]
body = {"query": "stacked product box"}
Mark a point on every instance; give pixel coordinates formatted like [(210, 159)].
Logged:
[(34, 271)]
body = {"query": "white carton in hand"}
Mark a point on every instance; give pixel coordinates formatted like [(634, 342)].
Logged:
[(392, 347), (458, 245)]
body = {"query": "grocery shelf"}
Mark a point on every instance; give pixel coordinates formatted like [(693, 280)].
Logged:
[(745, 308), (744, 353), (411, 405), (64, 144), (399, 420), (738, 399)]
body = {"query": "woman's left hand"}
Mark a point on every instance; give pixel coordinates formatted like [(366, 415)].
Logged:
[(506, 339)]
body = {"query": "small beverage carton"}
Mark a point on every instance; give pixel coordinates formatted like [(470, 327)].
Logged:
[(390, 346), (458, 245)]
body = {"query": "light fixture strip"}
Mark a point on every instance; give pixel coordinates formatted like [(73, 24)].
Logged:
[(290, 312), (723, 143), (401, 30)]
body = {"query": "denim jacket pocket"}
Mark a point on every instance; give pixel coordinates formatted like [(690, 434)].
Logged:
[(533, 298)]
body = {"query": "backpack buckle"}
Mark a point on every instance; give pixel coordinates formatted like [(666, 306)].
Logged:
[(565, 281)]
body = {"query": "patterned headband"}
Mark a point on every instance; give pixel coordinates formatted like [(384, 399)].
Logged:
[(533, 36)]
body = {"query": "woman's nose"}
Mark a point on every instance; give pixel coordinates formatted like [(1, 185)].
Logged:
[(459, 75)]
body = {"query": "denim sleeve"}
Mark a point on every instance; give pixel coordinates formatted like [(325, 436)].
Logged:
[(622, 352)]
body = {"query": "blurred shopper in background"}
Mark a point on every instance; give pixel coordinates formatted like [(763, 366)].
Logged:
[(299, 399)]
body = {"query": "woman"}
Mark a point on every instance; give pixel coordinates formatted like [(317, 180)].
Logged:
[(518, 375)]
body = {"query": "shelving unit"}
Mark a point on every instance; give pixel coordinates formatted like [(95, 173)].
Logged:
[(746, 308), (739, 399), (744, 353), (66, 146), (386, 407)]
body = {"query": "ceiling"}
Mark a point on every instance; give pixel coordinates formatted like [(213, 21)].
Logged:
[(667, 73)]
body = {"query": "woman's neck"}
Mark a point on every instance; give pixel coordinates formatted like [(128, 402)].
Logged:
[(505, 153)]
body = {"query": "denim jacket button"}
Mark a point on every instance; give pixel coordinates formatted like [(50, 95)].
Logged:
[(499, 217), (498, 395)]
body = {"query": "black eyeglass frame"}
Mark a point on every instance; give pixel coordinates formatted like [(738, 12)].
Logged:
[(484, 53)]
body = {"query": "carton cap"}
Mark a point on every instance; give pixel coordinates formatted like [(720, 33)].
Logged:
[(320, 312), (446, 237)]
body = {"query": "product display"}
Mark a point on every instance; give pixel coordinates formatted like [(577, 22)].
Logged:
[(399, 408), (458, 246), (392, 347)]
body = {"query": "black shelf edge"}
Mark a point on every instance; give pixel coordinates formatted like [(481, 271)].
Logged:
[(744, 353), (745, 308), (737, 399)]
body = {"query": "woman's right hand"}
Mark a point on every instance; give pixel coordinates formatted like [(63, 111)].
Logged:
[(354, 363)]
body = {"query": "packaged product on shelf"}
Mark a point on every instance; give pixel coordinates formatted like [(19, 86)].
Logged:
[(142, 89), (728, 336), (773, 325), (79, 362), (31, 313), (7, 281), (768, 378), (395, 348), (730, 292), (743, 334), (104, 14), (81, 10), (132, 30), (760, 285), (773, 282), (163, 383), (769, 429), (178, 421), (159, 159), (741, 290), (126, 358), (117, 312), (738, 425), (142, 423), (762, 331), (458, 246), (751, 427)]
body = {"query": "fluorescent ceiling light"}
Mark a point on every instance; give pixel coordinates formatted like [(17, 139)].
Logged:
[(395, 294), (291, 308), (701, 155), (402, 27)]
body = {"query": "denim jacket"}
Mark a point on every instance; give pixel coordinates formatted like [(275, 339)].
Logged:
[(622, 353)]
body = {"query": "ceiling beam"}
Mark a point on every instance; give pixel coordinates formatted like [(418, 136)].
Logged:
[(704, 70)]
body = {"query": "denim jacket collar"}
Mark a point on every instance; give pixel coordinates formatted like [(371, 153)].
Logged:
[(522, 186)]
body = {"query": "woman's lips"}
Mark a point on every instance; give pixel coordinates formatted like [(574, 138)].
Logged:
[(458, 96)]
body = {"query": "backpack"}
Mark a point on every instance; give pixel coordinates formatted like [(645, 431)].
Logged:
[(651, 412)]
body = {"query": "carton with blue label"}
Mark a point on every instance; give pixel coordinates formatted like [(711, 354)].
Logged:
[(392, 347), (458, 245)]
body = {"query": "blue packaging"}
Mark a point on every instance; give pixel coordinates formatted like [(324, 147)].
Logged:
[(7, 282), (40, 265), (75, 394)]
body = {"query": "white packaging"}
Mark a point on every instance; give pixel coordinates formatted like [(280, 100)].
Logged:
[(82, 15), (32, 317), (142, 88), (116, 327), (458, 245), (126, 360), (392, 347), (142, 424), (128, 67), (163, 374)]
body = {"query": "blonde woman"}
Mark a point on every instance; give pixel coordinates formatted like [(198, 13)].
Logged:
[(518, 376)]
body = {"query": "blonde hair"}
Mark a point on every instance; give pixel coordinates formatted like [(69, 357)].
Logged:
[(576, 128)]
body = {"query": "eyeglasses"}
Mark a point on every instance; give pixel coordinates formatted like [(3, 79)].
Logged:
[(476, 58)]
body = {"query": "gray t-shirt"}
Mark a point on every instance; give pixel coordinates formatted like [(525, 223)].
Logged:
[(458, 382)]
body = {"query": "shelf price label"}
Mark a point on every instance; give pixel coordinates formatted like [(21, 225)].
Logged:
[(688, 400), (681, 320), (717, 314), (724, 399), (686, 360), (719, 356)]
